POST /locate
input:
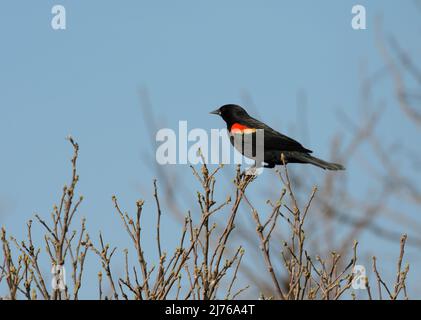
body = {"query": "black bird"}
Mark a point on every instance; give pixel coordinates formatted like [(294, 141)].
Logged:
[(240, 124)]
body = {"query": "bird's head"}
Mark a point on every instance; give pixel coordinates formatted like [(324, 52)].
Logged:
[(230, 112)]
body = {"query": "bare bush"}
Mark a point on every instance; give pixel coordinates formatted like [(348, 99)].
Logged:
[(205, 264)]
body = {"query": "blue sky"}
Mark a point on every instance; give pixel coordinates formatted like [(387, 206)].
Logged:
[(191, 56)]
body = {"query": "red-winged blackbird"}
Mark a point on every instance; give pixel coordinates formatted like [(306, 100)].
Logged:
[(240, 124)]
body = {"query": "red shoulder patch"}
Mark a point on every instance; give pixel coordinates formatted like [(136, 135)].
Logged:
[(240, 128)]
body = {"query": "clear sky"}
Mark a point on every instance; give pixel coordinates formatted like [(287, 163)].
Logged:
[(192, 56)]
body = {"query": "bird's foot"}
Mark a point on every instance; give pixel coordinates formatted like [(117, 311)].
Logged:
[(253, 171)]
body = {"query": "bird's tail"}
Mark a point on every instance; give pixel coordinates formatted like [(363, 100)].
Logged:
[(307, 158), (323, 164)]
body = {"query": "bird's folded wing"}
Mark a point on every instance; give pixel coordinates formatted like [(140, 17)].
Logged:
[(275, 140)]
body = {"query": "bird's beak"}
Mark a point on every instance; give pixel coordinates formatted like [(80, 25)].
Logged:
[(217, 112)]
